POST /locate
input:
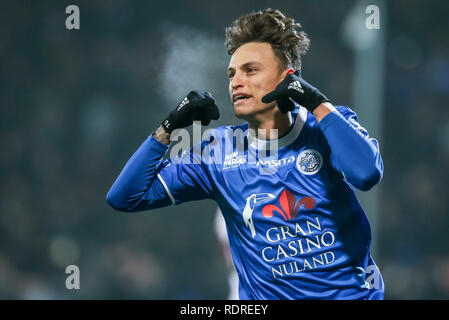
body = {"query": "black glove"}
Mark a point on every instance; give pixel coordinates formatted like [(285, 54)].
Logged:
[(296, 88), (195, 106), (285, 104)]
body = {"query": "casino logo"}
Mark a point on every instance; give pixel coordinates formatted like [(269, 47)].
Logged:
[(288, 207), (309, 162), (249, 208)]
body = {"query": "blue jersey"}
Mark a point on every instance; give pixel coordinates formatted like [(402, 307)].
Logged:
[(296, 229)]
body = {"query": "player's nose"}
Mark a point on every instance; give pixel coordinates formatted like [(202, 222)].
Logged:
[(236, 81)]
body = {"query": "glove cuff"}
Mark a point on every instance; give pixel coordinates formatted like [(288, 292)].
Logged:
[(168, 126), (312, 106)]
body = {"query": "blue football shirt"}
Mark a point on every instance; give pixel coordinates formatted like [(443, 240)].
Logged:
[(296, 229)]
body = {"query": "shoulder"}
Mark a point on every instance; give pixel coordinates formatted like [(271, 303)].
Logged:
[(351, 117), (346, 112)]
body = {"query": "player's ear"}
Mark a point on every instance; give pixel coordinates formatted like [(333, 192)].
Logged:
[(287, 72), (282, 74)]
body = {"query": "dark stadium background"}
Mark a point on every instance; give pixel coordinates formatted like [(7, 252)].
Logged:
[(75, 104)]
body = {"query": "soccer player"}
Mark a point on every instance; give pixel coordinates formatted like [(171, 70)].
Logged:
[(284, 180)]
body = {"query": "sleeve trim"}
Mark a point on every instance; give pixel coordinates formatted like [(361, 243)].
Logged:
[(166, 189)]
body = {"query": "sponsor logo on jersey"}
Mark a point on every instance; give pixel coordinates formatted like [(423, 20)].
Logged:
[(309, 162), (288, 207), (300, 243), (249, 208), (234, 160), (275, 162)]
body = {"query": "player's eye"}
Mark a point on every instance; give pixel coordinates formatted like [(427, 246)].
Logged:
[(251, 71)]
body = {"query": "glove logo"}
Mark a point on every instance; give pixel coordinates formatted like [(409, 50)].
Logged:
[(183, 103), (309, 162), (295, 86)]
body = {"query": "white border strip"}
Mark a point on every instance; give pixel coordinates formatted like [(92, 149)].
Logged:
[(166, 189)]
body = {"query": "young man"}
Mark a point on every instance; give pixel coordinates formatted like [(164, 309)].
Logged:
[(296, 229)]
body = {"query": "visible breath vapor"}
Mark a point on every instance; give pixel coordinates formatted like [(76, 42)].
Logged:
[(194, 60)]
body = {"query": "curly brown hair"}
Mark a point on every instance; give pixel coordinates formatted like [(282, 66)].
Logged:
[(271, 26)]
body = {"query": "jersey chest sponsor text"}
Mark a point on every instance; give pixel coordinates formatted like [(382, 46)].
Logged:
[(295, 243), (234, 161)]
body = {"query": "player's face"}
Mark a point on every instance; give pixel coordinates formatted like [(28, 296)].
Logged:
[(253, 72)]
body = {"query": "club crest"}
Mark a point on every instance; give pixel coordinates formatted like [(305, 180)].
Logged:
[(309, 162)]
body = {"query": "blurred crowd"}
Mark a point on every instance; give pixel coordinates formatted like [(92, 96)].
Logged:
[(76, 104)]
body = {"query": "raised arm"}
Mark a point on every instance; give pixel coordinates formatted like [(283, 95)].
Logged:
[(141, 184), (138, 179), (354, 153)]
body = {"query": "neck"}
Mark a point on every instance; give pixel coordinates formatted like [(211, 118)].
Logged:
[(270, 126)]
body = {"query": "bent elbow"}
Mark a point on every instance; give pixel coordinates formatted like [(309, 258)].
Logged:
[(370, 179), (116, 202)]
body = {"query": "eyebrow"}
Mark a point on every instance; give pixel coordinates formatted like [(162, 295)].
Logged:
[(245, 65)]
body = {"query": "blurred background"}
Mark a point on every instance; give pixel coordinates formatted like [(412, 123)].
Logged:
[(76, 104)]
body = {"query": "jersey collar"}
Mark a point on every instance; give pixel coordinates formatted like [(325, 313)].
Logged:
[(283, 141)]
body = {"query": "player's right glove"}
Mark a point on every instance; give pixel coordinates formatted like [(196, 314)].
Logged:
[(196, 106)]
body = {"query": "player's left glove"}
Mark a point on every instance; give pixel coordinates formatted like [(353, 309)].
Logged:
[(295, 87)]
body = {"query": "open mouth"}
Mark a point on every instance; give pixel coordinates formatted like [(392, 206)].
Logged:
[(241, 98)]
